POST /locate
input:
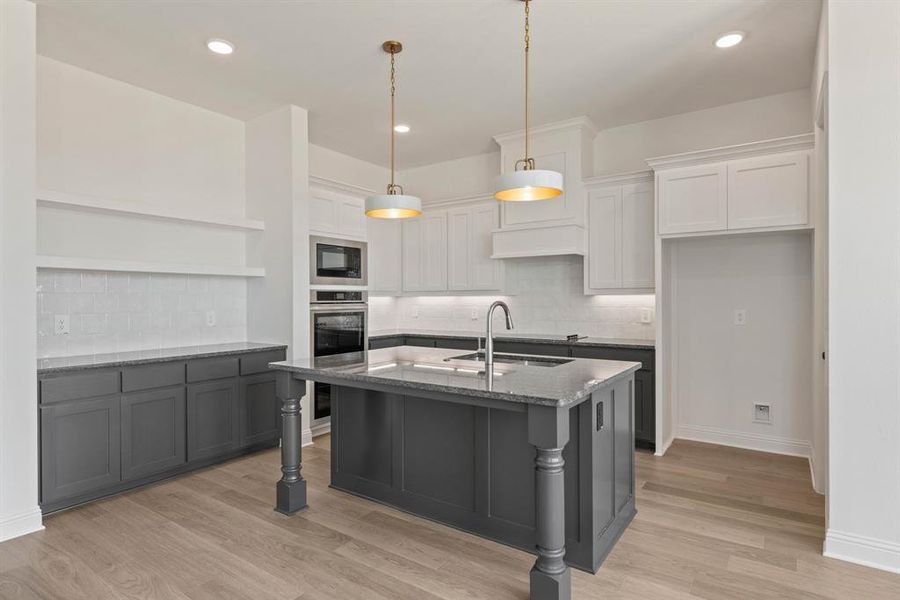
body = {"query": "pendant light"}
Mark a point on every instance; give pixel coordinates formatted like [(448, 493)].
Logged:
[(394, 204), (528, 183)]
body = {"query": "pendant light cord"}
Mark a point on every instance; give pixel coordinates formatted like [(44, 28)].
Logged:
[(391, 187), (527, 48)]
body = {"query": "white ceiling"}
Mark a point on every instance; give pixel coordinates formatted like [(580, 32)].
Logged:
[(460, 75)]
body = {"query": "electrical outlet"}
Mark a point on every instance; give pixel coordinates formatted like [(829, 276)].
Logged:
[(474, 314), (740, 316), (762, 413), (61, 324), (646, 315), (415, 312), (210, 318)]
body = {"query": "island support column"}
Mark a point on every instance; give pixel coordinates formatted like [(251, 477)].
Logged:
[(548, 431), (290, 491)]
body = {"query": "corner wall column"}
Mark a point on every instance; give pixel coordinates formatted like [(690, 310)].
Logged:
[(548, 431), (290, 491)]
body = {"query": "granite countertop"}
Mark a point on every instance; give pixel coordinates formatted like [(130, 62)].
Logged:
[(508, 336), (139, 357), (427, 369)]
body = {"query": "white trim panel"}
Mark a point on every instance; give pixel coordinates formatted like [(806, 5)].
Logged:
[(862, 550), (21, 524)]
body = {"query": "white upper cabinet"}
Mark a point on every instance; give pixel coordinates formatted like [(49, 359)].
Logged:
[(693, 199), (336, 214), (385, 256), (425, 252), (768, 191), (760, 185), (620, 235), (638, 250), (459, 255)]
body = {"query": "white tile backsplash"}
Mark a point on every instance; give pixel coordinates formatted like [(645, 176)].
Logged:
[(118, 312), (545, 295)]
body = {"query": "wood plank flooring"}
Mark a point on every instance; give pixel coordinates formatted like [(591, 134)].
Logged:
[(713, 523)]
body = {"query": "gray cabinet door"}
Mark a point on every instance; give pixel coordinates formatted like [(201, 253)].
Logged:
[(644, 407), (259, 409), (212, 418), (152, 432), (79, 447)]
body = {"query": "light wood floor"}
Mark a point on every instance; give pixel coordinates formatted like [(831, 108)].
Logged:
[(712, 523)]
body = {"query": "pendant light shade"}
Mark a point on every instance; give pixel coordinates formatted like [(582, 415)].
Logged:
[(527, 184), (394, 204)]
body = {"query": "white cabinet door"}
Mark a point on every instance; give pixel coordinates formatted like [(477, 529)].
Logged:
[(385, 247), (693, 199), (322, 212), (485, 273), (351, 217), (768, 191), (412, 255), (605, 238), (459, 255), (434, 251), (637, 236)]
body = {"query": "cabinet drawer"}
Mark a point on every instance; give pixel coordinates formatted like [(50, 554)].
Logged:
[(425, 342), (258, 362), (212, 368), (75, 387), (531, 348), (386, 342), (459, 344), (152, 376)]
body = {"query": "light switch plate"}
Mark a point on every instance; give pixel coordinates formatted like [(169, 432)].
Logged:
[(740, 316), (474, 314), (210, 318), (61, 324), (415, 312), (646, 315)]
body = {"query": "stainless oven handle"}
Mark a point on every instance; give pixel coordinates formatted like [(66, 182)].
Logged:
[(338, 308)]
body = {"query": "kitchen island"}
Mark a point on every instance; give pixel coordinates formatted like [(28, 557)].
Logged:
[(537, 454)]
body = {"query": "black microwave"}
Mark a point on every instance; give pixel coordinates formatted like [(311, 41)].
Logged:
[(335, 261)]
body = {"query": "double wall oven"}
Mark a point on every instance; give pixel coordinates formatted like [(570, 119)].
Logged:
[(338, 324)]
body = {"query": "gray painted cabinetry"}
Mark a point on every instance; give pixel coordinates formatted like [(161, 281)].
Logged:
[(107, 429)]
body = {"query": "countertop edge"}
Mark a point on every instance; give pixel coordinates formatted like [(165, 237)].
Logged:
[(154, 359), (585, 343)]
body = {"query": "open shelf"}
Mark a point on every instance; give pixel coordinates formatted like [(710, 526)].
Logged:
[(52, 199), (104, 264)]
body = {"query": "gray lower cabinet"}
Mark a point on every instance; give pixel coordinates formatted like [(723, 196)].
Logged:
[(260, 413), (153, 432), (212, 418), (79, 447), (107, 429)]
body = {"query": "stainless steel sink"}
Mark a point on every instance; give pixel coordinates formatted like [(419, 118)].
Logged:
[(514, 359)]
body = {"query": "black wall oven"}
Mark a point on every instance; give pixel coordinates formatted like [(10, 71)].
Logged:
[(338, 324), (337, 262)]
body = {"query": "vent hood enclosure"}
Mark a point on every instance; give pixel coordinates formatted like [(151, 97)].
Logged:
[(549, 227)]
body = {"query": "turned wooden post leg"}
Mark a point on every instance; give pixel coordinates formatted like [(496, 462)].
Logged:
[(290, 491), (548, 431)]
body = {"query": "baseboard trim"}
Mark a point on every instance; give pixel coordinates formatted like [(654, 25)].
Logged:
[(306, 438), (661, 450), (741, 439), (862, 550), (817, 487), (321, 429), (20, 524)]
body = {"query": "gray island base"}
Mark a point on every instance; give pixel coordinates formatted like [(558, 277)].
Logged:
[(537, 457)]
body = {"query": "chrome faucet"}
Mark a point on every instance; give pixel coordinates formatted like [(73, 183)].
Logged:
[(489, 338)]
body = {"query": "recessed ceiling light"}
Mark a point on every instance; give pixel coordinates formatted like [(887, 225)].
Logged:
[(220, 46), (732, 38), (401, 128)]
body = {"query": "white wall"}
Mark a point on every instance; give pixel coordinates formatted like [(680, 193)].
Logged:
[(819, 190), (19, 511), (546, 295), (328, 164), (864, 283), (462, 177), (721, 369), (625, 148), (278, 191)]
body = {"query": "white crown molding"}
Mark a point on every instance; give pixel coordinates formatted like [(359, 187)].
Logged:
[(339, 186), (785, 144), (458, 200), (862, 550), (644, 176), (584, 123), (131, 266)]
